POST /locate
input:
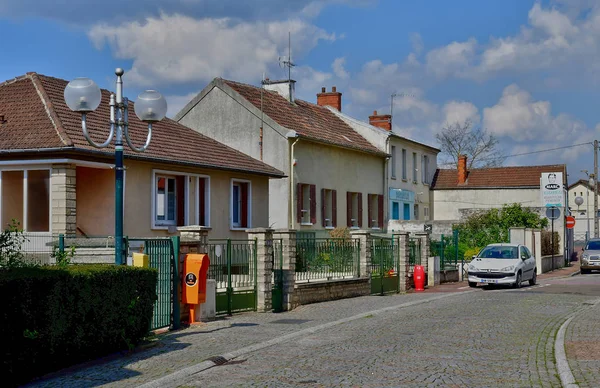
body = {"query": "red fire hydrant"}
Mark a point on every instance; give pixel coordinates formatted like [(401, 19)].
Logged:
[(419, 277)]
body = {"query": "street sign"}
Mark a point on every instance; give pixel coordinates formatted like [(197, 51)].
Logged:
[(552, 213), (570, 222), (551, 188), (428, 228)]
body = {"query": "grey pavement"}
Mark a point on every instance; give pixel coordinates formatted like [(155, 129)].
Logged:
[(417, 339)]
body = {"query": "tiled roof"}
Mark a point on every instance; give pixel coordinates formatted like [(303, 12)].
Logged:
[(37, 118), (496, 177), (309, 120)]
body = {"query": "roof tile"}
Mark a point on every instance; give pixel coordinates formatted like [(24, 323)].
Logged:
[(496, 177)]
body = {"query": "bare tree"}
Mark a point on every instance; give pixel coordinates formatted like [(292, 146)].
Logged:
[(480, 147)]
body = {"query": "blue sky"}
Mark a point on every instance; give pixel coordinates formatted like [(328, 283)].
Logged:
[(528, 71)]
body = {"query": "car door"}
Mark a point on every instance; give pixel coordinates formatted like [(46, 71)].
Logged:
[(528, 263)]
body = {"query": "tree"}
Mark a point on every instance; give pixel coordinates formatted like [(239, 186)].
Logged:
[(492, 225), (480, 146)]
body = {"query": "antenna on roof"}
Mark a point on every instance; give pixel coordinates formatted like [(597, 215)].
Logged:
[(287, 62), (260, 141)]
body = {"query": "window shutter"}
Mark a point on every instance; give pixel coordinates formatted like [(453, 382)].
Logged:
[(380, 211), (334, 208), (202, 202), (313, 204), (245, 201), (180, 198), (360, 210), (323, 208), (349, 208), (299, 202), (369, 210)]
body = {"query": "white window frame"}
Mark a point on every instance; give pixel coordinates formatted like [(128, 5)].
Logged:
[(171, 173), (306, 216), (404, 175), (415, 169), (426, 212), (206, 200), (25, 169), (328, 207), (374, 205), (425, 169), (354, 213), (393, 160), (249, 199)]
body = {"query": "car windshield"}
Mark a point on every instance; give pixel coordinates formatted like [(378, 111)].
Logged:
[(499, 252), (593, 245)]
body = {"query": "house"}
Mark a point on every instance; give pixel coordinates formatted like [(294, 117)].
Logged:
[(335, 175), (457, 193), (583, 213), (53, 181), (409, 171)]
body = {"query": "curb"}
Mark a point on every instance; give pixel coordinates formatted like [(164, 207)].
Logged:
[(178, 378), (562, 364)]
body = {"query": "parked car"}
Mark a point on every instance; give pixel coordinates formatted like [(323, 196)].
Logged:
[(503, 264), (590, 259)]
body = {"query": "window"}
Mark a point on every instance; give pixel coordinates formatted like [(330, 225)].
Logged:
[(25, 197), (354, 209), (240, 204), (416, 212), (306, 204), (525, 253), (425, 169), (169, 200), (375, 211), (328, 208), (414, 165), (426, 212), (393, 166), (404, 164), (202, 202)]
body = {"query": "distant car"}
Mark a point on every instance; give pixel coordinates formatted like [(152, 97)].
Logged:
[(503, 264), (590, 260)]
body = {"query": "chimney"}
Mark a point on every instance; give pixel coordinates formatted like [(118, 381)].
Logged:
[(332, 99), (462, 169), (285, 88), (381, 121)]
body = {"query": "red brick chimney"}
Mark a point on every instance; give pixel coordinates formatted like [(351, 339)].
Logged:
[(381, 121), (462, 169), (332, 99)]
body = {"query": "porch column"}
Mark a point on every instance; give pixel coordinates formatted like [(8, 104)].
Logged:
[(64, 202), (364, 236), (403, 252), (424, 237), (264, 262), (288, 246)]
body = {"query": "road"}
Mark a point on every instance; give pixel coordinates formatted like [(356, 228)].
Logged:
[(498, 337), (456, 338)]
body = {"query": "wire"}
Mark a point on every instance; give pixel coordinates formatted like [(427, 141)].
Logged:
[(527, 153)]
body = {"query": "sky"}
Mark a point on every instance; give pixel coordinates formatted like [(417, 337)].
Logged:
[(526, 71)]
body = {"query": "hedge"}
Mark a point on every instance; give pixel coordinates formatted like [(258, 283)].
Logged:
[(54, 317)]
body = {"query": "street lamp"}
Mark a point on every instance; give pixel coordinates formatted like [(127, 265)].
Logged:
[(83, 95)]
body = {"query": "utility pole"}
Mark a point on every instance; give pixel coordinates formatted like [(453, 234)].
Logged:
[(596, 188)]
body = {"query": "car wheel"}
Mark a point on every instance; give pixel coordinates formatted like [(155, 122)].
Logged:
[(533, 279), (518, 281), (472, 284), (585, 271)]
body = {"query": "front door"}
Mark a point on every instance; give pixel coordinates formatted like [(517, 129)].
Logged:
[(407, 211), (395, 210)]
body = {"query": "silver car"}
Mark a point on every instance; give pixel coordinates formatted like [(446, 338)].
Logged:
[(503, 264), (590, 260)]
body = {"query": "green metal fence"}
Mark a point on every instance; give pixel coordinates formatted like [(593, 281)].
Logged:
[(384, 266), (278, 273), (233, 266), (447, 249), (414, 251), (326, 259), (161, 254)]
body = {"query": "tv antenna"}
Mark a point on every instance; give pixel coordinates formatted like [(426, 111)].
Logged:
[(287, 62)]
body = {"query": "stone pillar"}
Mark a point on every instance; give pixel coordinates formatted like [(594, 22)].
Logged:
[(194, 238), (517, 235), (264, 272), (404, 252), (64, 202), (537, 251), (288, 246), (424, 237), (364, 236)]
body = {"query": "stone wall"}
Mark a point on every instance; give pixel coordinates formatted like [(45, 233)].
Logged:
[(305, 293), (559, 262), (439, 227)]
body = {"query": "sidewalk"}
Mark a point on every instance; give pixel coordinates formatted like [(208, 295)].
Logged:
[(582, 346)]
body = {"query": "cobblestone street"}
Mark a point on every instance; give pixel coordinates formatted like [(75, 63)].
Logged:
[(478, 338)]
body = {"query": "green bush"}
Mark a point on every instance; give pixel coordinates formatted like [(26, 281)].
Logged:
[(547, 243), (52, 317)]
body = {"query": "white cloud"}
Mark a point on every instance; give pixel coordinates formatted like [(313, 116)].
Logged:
[(176, 103), (180, 49), (518, 116), (460, 111), (451, 59), (338, 68)]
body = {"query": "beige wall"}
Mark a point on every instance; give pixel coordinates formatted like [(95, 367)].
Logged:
[(95, 195), (339, 169)]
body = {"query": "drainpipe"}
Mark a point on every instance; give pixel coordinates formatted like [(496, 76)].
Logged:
[(291, 135), (386, 201)]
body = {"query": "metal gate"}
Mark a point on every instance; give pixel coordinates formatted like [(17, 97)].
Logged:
[(233, 266), (384, 266), (277, 284), (161, 255)]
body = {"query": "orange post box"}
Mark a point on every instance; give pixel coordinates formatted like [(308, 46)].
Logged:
[(195, 267)]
